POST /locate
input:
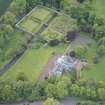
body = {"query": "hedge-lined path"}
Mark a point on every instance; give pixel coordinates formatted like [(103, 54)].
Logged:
[(49, 66)]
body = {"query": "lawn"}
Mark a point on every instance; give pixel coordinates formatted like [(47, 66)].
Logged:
[(99, 6), (30, 25), (95, 71), (32, 62)]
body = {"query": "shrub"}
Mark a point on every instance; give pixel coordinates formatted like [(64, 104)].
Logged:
[(71, 36), (21, 76), (80, 51), (101, 50), (54, 42), (72, 54), (86, 103), (96, 59), (101, 93), (51, 101), (101, 41), (89, 43), (80, 1)]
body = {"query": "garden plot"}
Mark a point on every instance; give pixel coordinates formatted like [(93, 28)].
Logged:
[(41, 13), (59, 27), (30, 25), (33, 21)]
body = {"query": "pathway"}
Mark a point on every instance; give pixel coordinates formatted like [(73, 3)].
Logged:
[(67, 101), (49, 66)]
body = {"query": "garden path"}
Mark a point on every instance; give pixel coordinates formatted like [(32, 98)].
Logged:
[(49, 66), (67, 101)]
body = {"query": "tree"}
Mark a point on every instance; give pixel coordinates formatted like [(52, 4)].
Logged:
[(101, 93), (51, 101), (9, 18), (101, 50), (61, 89), (21, 77), (30, 4), (82, 91), (67, 5), (54, 42), (18, 7), (6, 30), (101, 41), (80, 1), (80, 51), (85, 19), (75, 89), (71, 36), (8, 94), (99, 32), (50, 90), (100, 84)]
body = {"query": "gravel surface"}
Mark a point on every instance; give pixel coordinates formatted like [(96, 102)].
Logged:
[(68, 101)]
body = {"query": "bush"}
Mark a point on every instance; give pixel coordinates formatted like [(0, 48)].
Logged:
[(101, 93), (96, 59), (80, 51), (51, 101), (87, 103), (89, 44), (72, 54), (54, 42), (80, 1), (21, 77), (71, 36), (101, 50)]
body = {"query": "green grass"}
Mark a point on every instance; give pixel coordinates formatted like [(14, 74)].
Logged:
[(95, 71), (30, 25), (99, 6), (41, 13), (91, 51), (32, 62)]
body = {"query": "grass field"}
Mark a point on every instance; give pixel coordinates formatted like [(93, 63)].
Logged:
[(96, 72), (99, 6), (32, 62)]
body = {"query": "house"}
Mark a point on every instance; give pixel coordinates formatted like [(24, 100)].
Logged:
[(66, 63)]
